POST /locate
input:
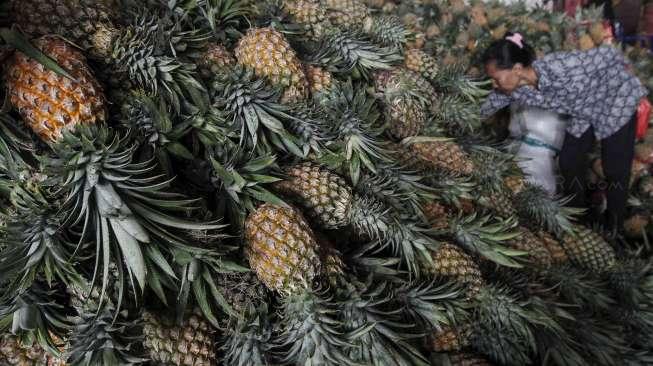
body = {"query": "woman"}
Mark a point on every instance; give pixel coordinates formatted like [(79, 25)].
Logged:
[(537, 138), (597, 93)]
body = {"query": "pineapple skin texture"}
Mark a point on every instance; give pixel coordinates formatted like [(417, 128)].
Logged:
[(589, 250), (326, 197), (188, 344), (281, 248), (51, 103), (451, 261), (269, 54)]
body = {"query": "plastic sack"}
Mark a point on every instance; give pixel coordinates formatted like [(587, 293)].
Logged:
[(539, 135), (643, 116)]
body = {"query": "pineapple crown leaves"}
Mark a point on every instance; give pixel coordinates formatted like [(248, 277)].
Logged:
[(123, 203), (250, 340), (485, 236), (36, 311), (197, 270), (150, 118), (353, 120), (252, 109), (402, 236), (631, 280), (135, 53), (431, 304), (455, 114), (222, 18), (387, 31), (374, 322), (551, 214), (578, 286), (105, 337), (307, 122), (242, 178), (35, 242), (452, 78), (504, 328), (349, 50), (398, 187), (310, 332)]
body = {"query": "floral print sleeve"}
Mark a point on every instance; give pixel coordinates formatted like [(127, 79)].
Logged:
[(494, 102)]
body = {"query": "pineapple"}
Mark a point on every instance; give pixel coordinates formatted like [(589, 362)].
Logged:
[(443, 155), (531, 243), (406, 110), (78, 20), (478, 15), (553, 246), (216, 58), (597, 32), (319, 79), (644, 152), (331, 203), (310, 15), (281, 248), (190, 343), (451, 261), (635, 226), (420, 62), (588, 249), (515, 183), (144, 52), (285, 255), (327, 197), (50, 103), (346, 13), (585, 42), (17, 352), (268, 53), (451, 339)]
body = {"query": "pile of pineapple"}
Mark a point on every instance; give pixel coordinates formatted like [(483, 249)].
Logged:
[(283, 182)]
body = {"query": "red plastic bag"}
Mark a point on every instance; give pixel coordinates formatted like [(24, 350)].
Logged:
[(643, 116)]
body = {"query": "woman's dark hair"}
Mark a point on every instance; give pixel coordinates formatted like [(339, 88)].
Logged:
[(507, 53)]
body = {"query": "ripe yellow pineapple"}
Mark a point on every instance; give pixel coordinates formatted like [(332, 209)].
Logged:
[(346, 13), (515, 183), (443, 155), (281, 248), (15, 352), (585, 42), (597, 32), (50, 103), (319, 79), (588, 249), (327, 198), (269, 54), (190, 343), (531, 243), (451, 261), (421, 63), (558, 254)]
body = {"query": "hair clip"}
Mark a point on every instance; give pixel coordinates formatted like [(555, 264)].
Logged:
[(516, 39)]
